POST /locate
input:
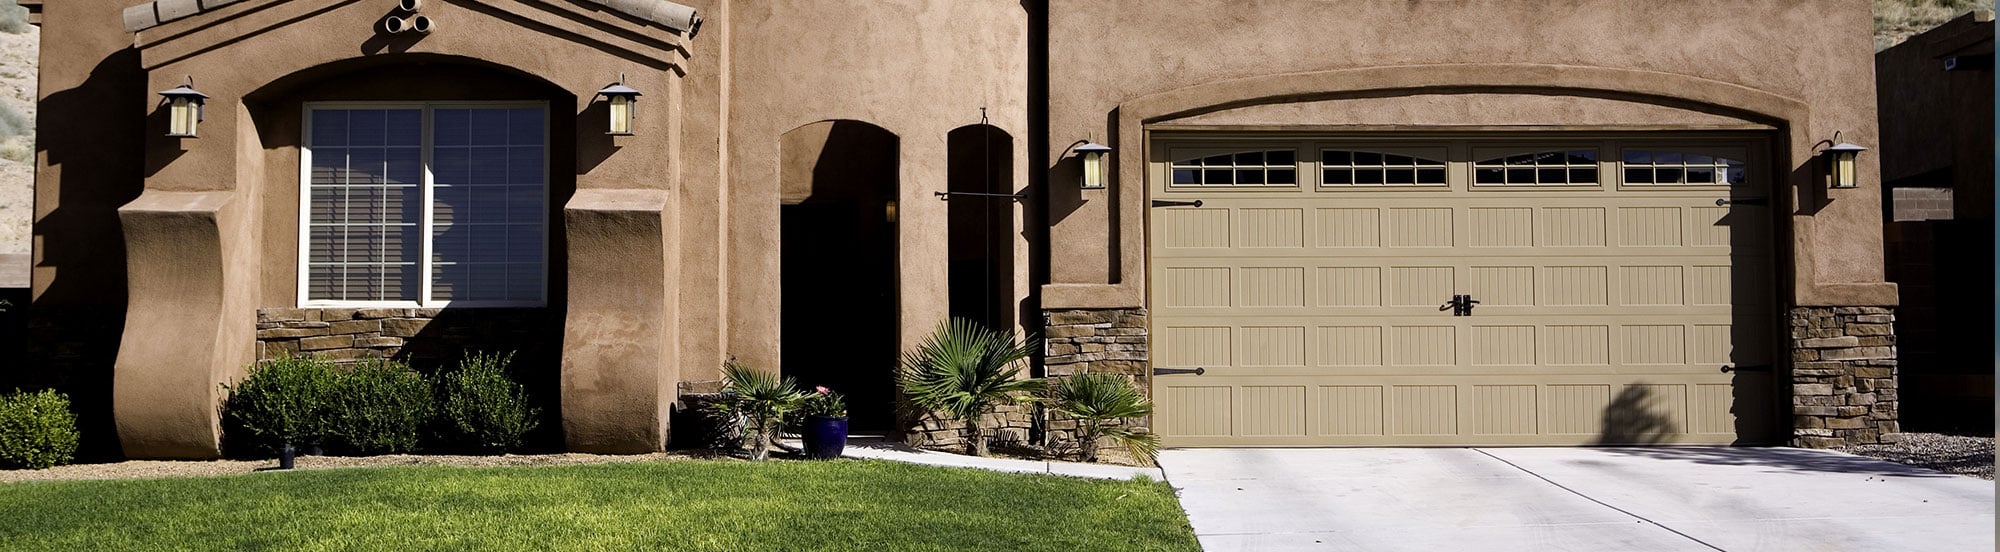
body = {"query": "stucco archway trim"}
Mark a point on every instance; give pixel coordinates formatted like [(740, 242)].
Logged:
[(1791, 115)]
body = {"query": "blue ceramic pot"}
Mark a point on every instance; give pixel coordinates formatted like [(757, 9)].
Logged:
[(824, 436)]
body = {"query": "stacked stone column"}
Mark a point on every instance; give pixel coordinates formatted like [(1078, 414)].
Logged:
[(1843, 376), (1097, 341)]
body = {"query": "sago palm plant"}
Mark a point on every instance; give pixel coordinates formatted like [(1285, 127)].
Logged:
[(760, 401), (1096, 400), (962, 371)]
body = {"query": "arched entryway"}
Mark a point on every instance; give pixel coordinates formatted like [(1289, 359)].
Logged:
[(838, 325)]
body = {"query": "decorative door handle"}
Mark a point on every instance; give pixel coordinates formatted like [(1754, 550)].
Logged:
[(1460, 305), (1172, 371), (1176, 203)]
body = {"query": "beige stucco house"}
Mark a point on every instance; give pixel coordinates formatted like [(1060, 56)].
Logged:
[(1353, 222)]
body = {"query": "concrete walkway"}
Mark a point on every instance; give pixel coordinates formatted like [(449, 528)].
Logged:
[(1692, 498)]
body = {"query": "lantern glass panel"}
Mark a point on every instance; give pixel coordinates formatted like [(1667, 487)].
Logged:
[(1843, 170), (1093, 170), (183, 114), (621, 114)]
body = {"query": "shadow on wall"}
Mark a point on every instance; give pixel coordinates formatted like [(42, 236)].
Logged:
[(73, 326), (1634, 420), (534, 335), (1631, 419)]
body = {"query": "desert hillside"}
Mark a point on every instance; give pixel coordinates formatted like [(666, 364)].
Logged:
[(19, 43)]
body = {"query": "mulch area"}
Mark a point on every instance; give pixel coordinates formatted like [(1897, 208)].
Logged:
[(1953, 454)]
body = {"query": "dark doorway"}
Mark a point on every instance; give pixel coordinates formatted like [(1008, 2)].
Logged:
[(838, 265), (981, 161)]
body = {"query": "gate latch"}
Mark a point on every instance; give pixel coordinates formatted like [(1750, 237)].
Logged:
[(1460, 305)]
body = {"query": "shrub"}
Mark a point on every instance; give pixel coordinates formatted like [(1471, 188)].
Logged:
[(1096, 400), (759, 402), (283, 401), (37, 430), (480, 408), (962, 370), (380, 407)]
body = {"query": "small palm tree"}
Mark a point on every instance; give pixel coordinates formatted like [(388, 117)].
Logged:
[(760, 401), (962, 371), (1095, 400)]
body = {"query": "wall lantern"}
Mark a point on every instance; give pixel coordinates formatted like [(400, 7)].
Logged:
[(184, 109), (1093, 164), (623, 101), (1840, 162)]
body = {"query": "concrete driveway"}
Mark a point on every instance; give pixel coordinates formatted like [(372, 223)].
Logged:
[(1693, 498)]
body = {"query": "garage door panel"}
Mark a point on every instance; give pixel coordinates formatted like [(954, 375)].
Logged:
[(1501, 227), (1606, 312), (1423, 410), (1349, 410), (1273, 410), (1492, 410), (1506, 409), (1270, 286), (1348, 346), (1268, 227), (1348, 228)]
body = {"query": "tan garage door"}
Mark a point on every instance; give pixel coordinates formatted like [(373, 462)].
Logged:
[(1619, 301)]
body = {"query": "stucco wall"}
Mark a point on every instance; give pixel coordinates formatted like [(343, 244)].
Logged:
[(917, 69), (1802, 65), (228, 198)]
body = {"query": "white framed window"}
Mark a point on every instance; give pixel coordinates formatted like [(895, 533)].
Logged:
[(424, 204)]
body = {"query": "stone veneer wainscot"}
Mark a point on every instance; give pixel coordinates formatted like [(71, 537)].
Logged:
[(1843, 376)]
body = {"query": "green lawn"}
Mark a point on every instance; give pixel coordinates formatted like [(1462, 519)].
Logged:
[(680, 505)]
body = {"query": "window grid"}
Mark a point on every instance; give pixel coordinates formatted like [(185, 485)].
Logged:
[(1250, 168), (502, 258), (1654, 167), (1576, 167), (1367, 168)]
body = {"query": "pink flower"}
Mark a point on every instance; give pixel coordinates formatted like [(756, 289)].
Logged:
[(823, 390)]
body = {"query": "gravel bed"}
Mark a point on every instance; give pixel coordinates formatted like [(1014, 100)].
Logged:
[(148, 469), (1954, 454)]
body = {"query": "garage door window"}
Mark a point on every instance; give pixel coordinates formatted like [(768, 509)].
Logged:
[(1368, 168), (1576, 167), (1249, 168), (1663, 167)]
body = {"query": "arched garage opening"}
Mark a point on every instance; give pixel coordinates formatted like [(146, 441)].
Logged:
[(838, 319)]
